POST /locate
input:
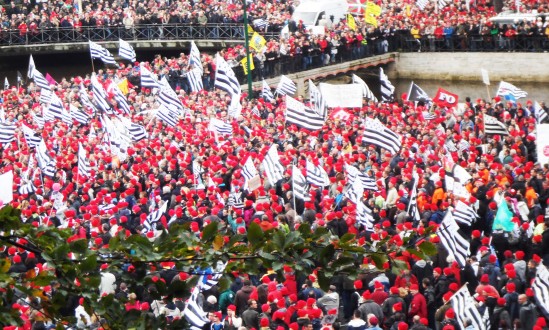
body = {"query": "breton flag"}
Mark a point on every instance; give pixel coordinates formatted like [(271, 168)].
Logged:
[(45, 162), (300, 115), (211, 277), (79, 115), (235, 107), (220, 127), (494, 126), (413, 211), (286, 86), (353, 173), (364, 216), (540, 113), (169, 116), (193, 312), (6, 83), (7, 133), (366, 92), (98, 51), (148, 80), (225, 78), (38, 120), (464, 213), (387, 89), (463, 145), (299, 184), (196, 71), (32, 68), (317, 175), (85, 99), (100, 95), (136, 131), (450, 146), (84, 168), (40, 80), (248, 170), (443, 3), (510, 92), (120, 99), (417, 94), (318, 101), (30, 136), (421, 4), (541, 289), (355, 190), (126, 51), (444, 98), (66, 117), (55, 109), (455, 244), (266, 92), (377, 134), (465, 309), (168, 97), (272, 166), (154, 217), (428, 115), (27, 188)]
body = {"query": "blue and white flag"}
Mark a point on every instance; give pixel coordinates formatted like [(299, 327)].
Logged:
[(148, 79), (126, 51), (510, 92), (7, 133), (286, 86), (220, 127), (266, 92), (98, 51), (387, 88), (225, 78), (30, 136)]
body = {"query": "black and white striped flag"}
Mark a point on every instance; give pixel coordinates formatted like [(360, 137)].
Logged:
[(84, 168), (27, 188), (119, 97), (210, 279), (55, 109), (168, 97), (463, 145), (443, 3), (30, 136), (366, 92), (510, 91), (318, 102), (354, 173), (66, 117), (32, 68), (137, 132), (364, 216), (455, 244), (126, 51), (220, 127), (317, 175), (286, 86), (38, 120), (98, 51), (40, 80), (248, 170), (466, 310), (260, 24), (377, 134), (79, 115), (450, 146), (148, 79), (46, 163), (464, 213), (167, 115), (196, 71), (266, 92), (355, 190), (7, 133), (300, 115), (299, 184), (272, 165), (85, 99), (154, 217), (539, 113), (541, 289), (194, 313), (100, 95), (494, 126), (413, 210), (421, 4), (387, 89), (429, 115), (225, 78)]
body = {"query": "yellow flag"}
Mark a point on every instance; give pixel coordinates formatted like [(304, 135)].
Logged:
[(373, 9), (369, 19), (408, 11), (245, 65), (123, 85), (257, 42), (351, 23), (250, 29)]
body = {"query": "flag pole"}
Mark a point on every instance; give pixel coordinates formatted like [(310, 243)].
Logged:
[(293, 188), (488, 92)]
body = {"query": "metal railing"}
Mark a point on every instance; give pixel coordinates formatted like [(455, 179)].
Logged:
[(151, 32)]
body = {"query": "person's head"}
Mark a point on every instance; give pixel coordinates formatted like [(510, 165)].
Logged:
[(252, 303), (522, 299)]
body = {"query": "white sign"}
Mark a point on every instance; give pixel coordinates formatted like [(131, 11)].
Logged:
[(485, 77), (542, 145), (345, 96), (6, 188)]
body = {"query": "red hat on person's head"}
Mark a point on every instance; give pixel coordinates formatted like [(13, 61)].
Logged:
[(437, 270), (394, 290), (520, 255), (453, 287), (378, 285), (501, 301), (231, 308), (264, 322), (403, 326), (414, 287), (510, 287), (397, 307), (447, 271), (366, 294), (492, 258), (450, 313), (358, 284), (476, 233), (447, 296), (484, 279), (541, 322)]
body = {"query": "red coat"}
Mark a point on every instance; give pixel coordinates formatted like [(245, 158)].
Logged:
[(418, 306)]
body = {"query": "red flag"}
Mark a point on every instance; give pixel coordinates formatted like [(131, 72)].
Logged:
[(445, 98), (50, 79)]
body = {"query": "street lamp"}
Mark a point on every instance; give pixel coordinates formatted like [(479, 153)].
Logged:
[(247, 45)]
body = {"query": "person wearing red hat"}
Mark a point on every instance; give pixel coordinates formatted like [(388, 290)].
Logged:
[(418, 304), (231, 322), (379, 295), (368, 306)]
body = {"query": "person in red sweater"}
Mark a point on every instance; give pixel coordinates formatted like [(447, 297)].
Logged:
[(418, 306), (379, 295)]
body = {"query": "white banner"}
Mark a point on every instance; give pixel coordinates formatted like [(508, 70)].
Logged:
[(543, 143), (345, 96), (6, 188), (485, 77)]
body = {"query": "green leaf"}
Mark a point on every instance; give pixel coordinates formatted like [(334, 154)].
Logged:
[(209, 231), (347, 237), (89, 263), (378, 259), (79, 246), (428, 248), (324, 280), (326, 254), (255, 234)]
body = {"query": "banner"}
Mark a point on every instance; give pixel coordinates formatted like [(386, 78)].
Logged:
[(257, 42), (345, 96), (542, 145), (444, 98), (485, 77), (6, 188)]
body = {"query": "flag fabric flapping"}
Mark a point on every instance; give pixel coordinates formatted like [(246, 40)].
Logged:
[(466, 309), (126, 51), (387, 89), (413, 210), (510, 91), (377, 134), (148, 79), (79, 115), (541, 289), (494, 126), (46, 163), (353, 173), (154, 217), (98, 51), (248, 170), (7, 133), (299, 184), (100, 95), (168, 97), (66, 117), (364, 216), (417, 94), (120, 99), (443, 3), (84, 168), (286, 86), (421, 4), (6, 83), (31, 68), (317, 175), (225, 78), (354, 190), (55, 109), (137, 132), (540, 113), (38, 120), (464, 213), (40, 80), (30, 136), (428, 115), (27, 188), (195, 72), (194, 313), (272, 165), (169, 116), (366, 92), (266, 92), (444, 98), (318, 101), (300, 115), (220, 127), (503, 219), (455, 244), (85, 99)]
